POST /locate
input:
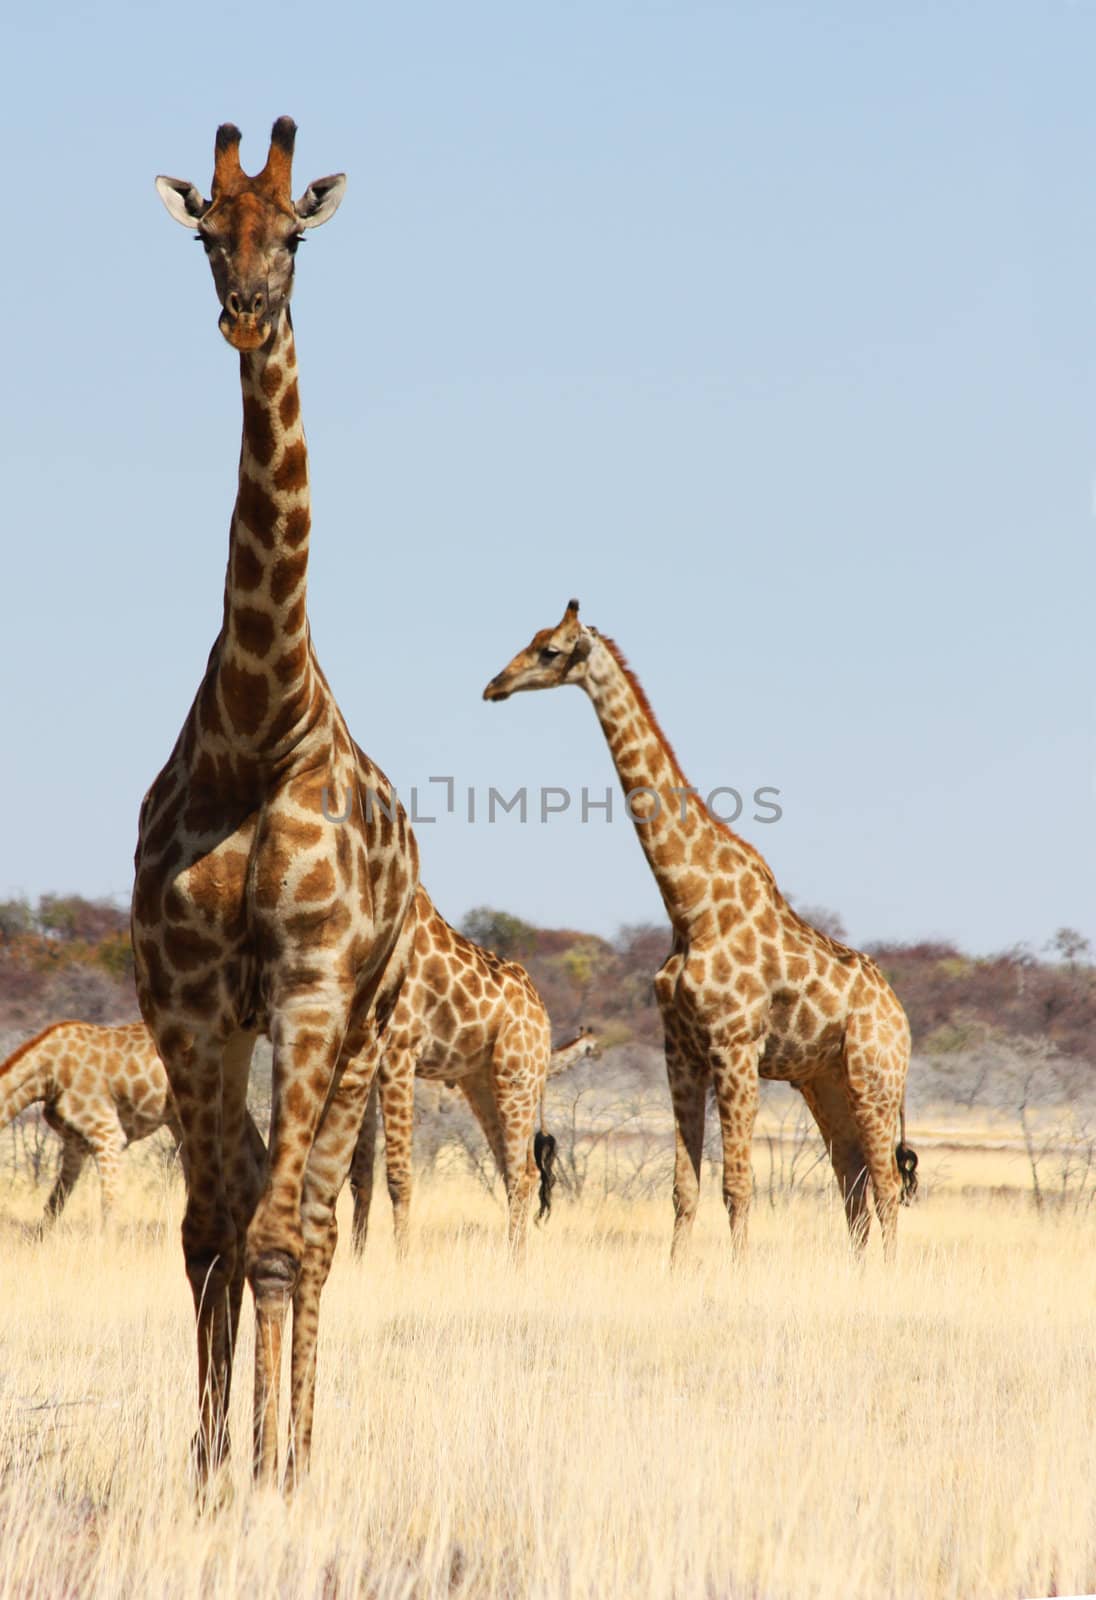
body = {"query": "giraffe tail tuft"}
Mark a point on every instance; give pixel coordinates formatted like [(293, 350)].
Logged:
[(544, 1154), (906, 1157)]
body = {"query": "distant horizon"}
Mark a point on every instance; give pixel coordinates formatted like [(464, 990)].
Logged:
[(612, 932)]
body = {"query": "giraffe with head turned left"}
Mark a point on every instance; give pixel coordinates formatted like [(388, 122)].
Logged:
[(275, 869), (749, 990)]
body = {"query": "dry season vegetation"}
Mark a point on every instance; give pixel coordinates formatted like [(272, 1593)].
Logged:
[(795, 1426), (792, 1427)]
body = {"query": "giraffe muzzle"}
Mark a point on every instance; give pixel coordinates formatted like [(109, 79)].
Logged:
[(494, 691), (245, 333), (245, 319)]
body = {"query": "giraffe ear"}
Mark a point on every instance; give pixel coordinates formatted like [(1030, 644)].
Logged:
[(583, 644), (183, 200), (320, 200)]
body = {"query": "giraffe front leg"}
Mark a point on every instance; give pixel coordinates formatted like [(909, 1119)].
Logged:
[(735, 1078), (107, 1141), (328, 1163), (396, 1086), (210, 1245), (244, 1166), (361, 1172), (307, 1036), (688, 1086), (74, 1154)]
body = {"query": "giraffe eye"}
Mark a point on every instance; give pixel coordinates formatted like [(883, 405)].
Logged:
[(549, 654)]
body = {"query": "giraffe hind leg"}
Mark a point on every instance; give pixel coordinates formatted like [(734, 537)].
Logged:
[(502, 1129), (361, 1172), (74, 1154), (688, 1090), (876, 1117), (829, 1105)]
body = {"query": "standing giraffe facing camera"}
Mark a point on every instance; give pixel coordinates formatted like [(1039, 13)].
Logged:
[(749, 990), (254, 908)]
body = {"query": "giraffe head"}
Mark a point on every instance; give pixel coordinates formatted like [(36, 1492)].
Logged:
[(553, 656), (251, 229), (586, 1044), (591, 1044)]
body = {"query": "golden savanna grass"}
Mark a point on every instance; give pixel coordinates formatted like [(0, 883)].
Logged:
[(796, 1426)]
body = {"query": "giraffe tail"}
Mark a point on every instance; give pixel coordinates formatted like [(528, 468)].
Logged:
[(906, 1157), (23, 1078), (544, 1154)]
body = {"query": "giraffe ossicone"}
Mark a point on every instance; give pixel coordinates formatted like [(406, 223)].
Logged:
[(749, 990)]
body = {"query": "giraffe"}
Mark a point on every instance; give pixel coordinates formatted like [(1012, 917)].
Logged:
[(398, 1136), (749, 990), (275, 868), (584, 1046), (470, 1019), (102, 1088)]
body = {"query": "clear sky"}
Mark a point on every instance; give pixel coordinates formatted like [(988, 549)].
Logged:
[(768, 331)]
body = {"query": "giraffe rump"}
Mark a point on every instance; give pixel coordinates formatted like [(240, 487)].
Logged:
[(22, 1089)]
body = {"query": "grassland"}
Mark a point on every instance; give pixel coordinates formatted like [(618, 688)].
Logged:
[(798, 1426)]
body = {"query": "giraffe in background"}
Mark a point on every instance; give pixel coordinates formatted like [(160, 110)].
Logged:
[(398, 1137), (750, 990), (254, 909), (584, 1046), (101, 1088), (470, 1019)]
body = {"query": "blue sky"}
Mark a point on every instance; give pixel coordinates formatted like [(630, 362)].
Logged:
[(767, 331)]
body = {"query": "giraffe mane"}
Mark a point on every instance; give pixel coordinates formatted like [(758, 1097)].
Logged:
[(28, 1044), (645, 706)]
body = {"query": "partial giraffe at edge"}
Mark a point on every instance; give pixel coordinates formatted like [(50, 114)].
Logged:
[(102, 1087), (268, 896), (749, 989)]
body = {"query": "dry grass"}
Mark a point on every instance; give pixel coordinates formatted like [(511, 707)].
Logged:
[(796, 1427)]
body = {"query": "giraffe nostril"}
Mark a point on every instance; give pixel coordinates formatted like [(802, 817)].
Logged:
[(232, 303), (257, 304)]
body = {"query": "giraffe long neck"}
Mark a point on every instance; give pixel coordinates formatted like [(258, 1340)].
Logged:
[(679, 838), (264, 671)]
